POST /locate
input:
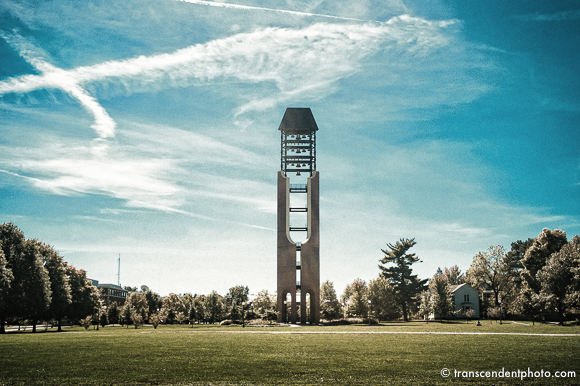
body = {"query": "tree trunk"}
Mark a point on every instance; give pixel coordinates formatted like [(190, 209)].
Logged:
[(2, 328), (34, 325), (59, 326), (561, 316)]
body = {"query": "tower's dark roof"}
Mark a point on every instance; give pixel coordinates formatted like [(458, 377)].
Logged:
[(298, 121)]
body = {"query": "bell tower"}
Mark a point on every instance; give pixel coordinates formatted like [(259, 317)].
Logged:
[(298, 225)]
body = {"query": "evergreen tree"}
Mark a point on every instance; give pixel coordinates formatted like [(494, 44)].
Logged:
[(515, 256), (153, 301), (400, 275), (113, 313)]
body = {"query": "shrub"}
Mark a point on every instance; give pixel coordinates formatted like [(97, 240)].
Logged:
[(86, 322), (137, 320), (155, 319)]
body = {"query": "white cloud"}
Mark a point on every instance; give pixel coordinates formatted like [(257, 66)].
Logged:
[(56, 78), (251, 8), (293, 59)]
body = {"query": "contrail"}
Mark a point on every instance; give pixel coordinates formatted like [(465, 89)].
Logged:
[(247, 7), (54, 77)]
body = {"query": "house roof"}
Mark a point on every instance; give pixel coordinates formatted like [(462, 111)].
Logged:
[(456, 287)]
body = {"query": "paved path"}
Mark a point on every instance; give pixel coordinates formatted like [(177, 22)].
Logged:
[(361, 332)]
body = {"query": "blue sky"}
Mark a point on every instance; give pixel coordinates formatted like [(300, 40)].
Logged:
[(149, 129)]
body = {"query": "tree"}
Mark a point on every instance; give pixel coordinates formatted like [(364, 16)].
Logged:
[(113, 313), (425, 305), (187, 300), (137, 304), (125, 316), (199, 307), (514, 257), (103, 317), (59, 286), (86, 322), (547, 243), (130, 289), (235, 299), (489, 269), (407, 286), (329, 305), (383, 300), (153, 302), (12, 244), (558, 284), (5, 281), (528, 303), (33, 282), (172, 306), (154, 319), (213, 307), (84, 296), (265, 303), (454, 275), (355, 299), (137, 319), (440, 302)]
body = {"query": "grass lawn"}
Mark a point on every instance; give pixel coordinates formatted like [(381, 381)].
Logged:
[(289, 355)]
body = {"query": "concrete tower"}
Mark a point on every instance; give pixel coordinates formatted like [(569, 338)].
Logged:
[(298, 262)]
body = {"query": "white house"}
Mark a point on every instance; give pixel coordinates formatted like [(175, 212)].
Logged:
[(465, 298)]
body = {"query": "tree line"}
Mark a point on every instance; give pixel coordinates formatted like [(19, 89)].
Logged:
[(37, 284), (150, 307), (537, 276)]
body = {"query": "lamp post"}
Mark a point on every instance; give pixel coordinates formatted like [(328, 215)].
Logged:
[(286, 311), (243, 309), (369, 312), (500, 312)]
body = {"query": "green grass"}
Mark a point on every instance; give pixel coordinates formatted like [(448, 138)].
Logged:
[(203, 355)]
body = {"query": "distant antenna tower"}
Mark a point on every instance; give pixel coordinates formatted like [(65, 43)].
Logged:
[(119, 272)]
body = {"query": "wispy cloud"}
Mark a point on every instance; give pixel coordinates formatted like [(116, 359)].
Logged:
[(558, 16), (54, 78), (247, 7), (327, 52)]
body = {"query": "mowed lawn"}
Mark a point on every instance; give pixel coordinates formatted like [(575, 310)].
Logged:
[(345, 355)]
